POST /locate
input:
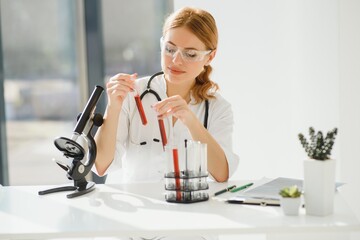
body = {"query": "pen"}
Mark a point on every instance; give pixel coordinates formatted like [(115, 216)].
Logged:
[(224, 190), (242, 187)]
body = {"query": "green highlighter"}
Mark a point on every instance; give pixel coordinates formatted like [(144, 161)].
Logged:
[(241, 187)]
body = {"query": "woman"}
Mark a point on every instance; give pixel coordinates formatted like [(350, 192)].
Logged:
[(133, 152)]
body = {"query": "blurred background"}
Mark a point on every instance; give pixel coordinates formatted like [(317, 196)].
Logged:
[(53, 53)]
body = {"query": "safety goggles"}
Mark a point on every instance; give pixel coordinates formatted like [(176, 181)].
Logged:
[(188, 55)]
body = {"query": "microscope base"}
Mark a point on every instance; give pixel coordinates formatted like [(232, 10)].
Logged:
[(82, 189)]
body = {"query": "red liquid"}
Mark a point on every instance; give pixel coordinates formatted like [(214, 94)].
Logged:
[(162, 132), (140, 109), (177, 173)]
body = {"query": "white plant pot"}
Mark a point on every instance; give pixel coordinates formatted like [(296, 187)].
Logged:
[(319, 186), (290, 206)]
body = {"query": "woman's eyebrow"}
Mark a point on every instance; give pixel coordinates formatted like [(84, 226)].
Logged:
[(189, 48)]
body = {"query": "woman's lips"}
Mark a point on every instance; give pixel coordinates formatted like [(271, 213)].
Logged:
[(175, 71)]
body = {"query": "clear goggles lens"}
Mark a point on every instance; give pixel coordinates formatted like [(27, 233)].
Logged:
[(188, 55)]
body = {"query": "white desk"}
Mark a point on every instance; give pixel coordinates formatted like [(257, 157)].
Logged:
[(141, 210)]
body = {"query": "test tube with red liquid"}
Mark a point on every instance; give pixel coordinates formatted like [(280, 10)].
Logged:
[(177, 173), (140, 107), (162, 132)]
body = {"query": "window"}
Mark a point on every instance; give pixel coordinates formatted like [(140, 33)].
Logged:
[(41, 85)]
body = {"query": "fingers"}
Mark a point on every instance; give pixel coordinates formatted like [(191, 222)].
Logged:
[(121, 79), (171, 112), (119, 86), (170, 106)]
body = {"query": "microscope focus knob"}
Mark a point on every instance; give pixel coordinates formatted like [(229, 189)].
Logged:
[(98, 119)]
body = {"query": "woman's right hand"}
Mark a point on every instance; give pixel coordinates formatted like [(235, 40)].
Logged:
[(118, 87)]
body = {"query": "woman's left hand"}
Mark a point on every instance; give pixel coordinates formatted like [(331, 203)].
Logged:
[(175, 106)]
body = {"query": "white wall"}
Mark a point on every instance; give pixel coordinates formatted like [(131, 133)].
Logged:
[(286, 65), (349, 88)]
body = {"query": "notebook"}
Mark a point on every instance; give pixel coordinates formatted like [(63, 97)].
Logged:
[(266, 194)]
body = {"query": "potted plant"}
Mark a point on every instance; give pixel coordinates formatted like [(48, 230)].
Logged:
[(290, 200), (319, 172)]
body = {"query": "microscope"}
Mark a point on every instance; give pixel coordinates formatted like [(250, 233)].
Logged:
[(80, 149)]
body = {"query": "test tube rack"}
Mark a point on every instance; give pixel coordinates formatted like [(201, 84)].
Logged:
[(186, 187)]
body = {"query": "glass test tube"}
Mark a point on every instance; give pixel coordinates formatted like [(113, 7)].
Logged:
[(194, 157), (177, 173), (162, 133), (140, 106), (203, 159)]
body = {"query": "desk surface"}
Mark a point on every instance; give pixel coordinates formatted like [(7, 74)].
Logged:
[(141, 210)]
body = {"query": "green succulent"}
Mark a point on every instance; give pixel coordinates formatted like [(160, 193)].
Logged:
[(318, 147), (290, 192)]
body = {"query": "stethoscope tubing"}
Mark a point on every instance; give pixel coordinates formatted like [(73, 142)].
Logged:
[(148, 87), (149, 90)]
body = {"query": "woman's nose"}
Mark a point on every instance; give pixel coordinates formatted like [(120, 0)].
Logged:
[(177, 57)]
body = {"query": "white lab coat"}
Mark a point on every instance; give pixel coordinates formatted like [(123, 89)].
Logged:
[(136, 161)]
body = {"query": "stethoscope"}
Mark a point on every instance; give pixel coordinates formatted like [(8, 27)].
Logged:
[(149, 90)]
